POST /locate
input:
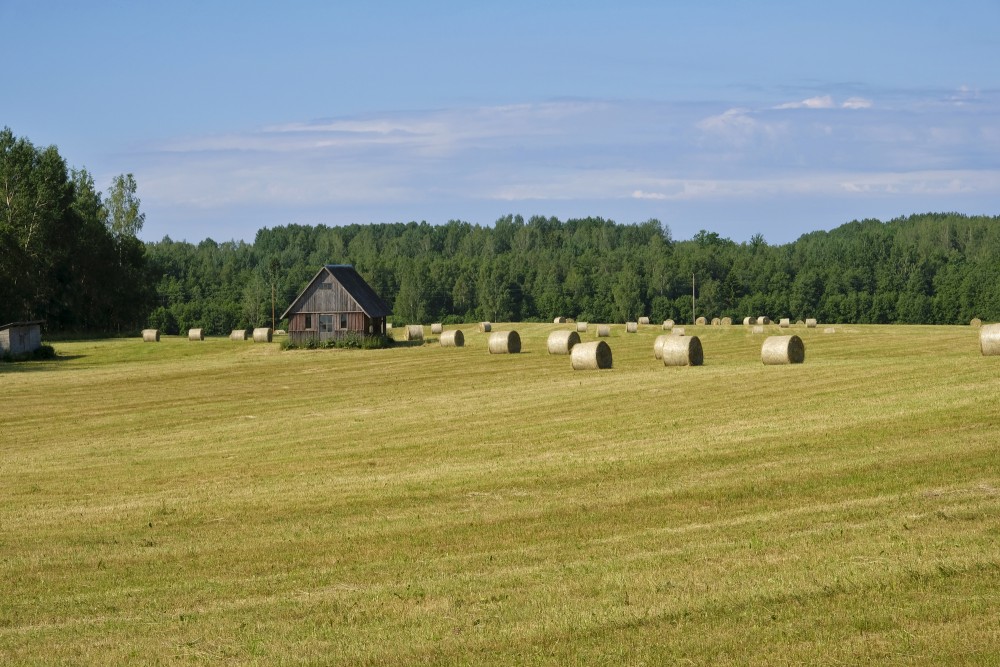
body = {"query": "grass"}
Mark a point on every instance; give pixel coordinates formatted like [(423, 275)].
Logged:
[(224, 502)]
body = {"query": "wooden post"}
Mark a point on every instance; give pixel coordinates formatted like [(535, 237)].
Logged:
[(694, 312)]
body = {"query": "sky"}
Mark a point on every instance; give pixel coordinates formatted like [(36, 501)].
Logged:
[(772, 118)]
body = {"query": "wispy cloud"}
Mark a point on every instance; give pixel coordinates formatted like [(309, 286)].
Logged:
[(655, 155)]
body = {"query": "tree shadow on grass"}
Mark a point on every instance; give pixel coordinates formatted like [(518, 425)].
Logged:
[(37, 365)]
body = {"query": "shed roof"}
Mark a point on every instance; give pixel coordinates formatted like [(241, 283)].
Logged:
[(351, 280), (13, 325)]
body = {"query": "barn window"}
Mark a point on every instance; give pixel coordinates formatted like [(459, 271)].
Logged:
[(343, 320), (326, 323), (309, 322)]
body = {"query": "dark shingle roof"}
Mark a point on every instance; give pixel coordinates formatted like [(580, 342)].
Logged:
[(360, 291)]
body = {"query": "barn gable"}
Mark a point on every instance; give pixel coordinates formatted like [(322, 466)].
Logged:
[(338, 288)]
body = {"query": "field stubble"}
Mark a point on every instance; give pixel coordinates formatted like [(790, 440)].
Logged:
[(227, 502)]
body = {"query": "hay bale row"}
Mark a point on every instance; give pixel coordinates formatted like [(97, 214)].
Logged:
[(436, 328), (196, 334), (668, 325), (150, 335), (504, 342), (782, 350), (454, 338), (262, 335), (591, 356), (603, 330), (581, 327), (643, 320), (989, 340), (562, 342), (631, 327), (238, 334), (413, 332), (682, 351)]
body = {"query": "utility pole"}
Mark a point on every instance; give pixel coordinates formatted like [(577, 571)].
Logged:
[(272, 305), (694, 313)]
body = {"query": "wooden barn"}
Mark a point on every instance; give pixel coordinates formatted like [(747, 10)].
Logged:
[(336, 302), (19, 338)]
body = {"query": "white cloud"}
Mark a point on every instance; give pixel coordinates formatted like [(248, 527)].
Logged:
[(856, 103), (640, 194), (819, 102)]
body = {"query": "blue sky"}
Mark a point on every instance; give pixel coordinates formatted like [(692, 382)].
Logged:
[(777, 118)]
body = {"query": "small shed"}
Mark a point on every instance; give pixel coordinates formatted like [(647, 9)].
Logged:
[(336, 303), (19, 338)]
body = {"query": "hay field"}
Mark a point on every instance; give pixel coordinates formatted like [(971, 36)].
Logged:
[(226, 502)]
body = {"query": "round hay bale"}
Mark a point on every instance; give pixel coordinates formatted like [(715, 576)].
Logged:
[(784, 323), (453, 338), (716, 322), (782, 350), (682, 351), (413, 332), (150, 335), (701, 321), (668, 325), (643, 320), (658, 345), (976, 322), (677, 331), (800, 323), (603, 330), (810, 322), (749, 321), (727, 321), (631, 327), (485, 327), (280, 332), (763, 319), (504, 342), (262, 335), (559, 320), (436, 328), (561, 342), (758, 329), (238, 334), (581, 327), (591, 356), (829, 330), (989, 340), (196, 334)]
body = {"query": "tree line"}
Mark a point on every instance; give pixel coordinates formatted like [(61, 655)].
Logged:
[(71, 256), (68, 254), (930, 268)]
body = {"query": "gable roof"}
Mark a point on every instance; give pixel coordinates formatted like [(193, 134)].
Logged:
[(354, 284)]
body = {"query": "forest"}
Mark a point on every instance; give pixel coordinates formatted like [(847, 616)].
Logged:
[(70, 256)]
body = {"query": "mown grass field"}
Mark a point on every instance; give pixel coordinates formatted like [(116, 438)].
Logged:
[(231, 503)]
